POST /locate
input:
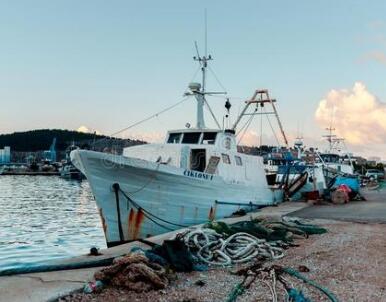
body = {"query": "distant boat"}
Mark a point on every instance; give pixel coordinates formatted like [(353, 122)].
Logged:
[(338, 170), (68, 170), (195, 176)]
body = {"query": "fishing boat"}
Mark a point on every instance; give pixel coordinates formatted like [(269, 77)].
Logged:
[(337, 169), (68, 170), (196, 175), (301, 179)]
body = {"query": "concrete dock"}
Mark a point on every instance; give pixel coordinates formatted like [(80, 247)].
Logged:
[(373, 210), (49, 286)]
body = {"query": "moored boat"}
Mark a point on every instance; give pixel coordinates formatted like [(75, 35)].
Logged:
[(196, 175)]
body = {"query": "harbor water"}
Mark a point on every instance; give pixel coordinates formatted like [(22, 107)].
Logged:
[(45, 218)]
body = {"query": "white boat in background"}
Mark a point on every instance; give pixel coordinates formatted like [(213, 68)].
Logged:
[(68, 170), (337, 165), (195, 176)]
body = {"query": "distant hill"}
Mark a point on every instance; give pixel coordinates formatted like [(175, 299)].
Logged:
[(39, 140)]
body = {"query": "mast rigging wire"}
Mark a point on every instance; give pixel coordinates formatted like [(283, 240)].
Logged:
[(273, 131), (150, 117), (246, 128), (144, 120), (216, 78)]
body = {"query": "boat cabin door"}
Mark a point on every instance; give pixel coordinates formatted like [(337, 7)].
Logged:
[(198, 160)]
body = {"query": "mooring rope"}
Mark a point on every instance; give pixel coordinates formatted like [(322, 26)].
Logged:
[(147, 213)]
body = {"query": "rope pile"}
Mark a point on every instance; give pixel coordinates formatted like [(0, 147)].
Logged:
[(214, 249), (275, 278), (134, 272)]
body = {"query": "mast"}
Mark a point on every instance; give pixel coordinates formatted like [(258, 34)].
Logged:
[(199, 92), (330, 137)]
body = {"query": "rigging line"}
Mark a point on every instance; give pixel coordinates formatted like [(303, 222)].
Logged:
[(245, 131), (194, 76), (211, 112), (273, 131), (216, 78), (145, 119), (228, 97), (110, 137), (241, 129)]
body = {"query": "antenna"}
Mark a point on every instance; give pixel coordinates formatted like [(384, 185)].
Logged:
[(206, 34), (199, 91), (330, 136), (203, 61)]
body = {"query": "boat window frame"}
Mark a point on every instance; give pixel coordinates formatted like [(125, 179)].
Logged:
[(212, 166), (172, 134), (238, 160), (223, 156), (209, 133)]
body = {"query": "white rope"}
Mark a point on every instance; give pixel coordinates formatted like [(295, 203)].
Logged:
[(213, 249)]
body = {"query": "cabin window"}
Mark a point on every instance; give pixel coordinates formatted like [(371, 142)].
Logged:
[(191, 138), (225, 158), (174, 138), (209, 138), (212, 165), (238, 161)]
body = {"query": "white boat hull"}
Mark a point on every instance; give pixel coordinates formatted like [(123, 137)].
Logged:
[(182, 197)]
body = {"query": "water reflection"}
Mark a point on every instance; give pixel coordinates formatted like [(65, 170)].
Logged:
[(45, 218)]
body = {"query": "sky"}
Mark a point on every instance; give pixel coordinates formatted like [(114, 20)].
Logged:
[(104, 65)]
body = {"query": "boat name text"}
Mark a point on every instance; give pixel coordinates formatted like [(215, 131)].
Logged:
[(198, 175)]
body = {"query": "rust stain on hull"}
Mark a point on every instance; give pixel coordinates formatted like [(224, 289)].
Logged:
[(211, 214), (104, 226), (131, 218), (138, 222)]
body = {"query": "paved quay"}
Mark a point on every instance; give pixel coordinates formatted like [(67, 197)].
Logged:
[(373, 210), (49, 286)]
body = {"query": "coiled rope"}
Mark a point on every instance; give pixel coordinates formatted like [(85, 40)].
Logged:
[(212, 248)]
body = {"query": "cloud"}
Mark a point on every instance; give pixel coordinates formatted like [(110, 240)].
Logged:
[(377, 56), (84, 129), (357, 114)]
